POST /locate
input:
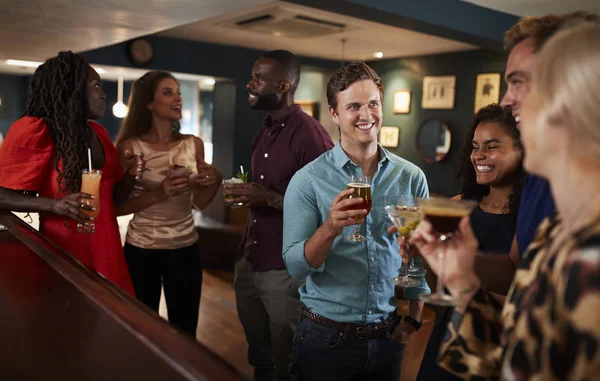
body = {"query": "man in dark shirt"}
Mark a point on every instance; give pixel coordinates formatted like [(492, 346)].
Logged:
[(523, 41), (266, 295)]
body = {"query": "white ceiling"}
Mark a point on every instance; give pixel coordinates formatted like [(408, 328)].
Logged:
[(539, 7), (363, 37), (38, 29)]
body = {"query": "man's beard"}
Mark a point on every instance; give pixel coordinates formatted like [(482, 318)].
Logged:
[(266, 102)]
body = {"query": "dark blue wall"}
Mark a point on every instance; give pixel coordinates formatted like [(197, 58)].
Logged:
[(408, 73), (13, 91)]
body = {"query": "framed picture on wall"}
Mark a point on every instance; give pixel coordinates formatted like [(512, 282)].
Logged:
[(310, 107), (389, 136), (438, 92), (401, 104), (487, 90)]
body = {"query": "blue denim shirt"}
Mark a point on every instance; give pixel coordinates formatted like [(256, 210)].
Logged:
[(354, 285)]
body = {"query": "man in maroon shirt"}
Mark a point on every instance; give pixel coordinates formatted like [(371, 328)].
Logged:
[(266, 295)]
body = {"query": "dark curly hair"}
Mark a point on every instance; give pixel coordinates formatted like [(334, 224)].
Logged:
[(465, 174), (57, 93)]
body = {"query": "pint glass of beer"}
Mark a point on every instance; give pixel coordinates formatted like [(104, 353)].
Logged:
[(362, 189)]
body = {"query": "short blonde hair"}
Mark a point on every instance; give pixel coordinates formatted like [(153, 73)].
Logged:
[(541, 29), (567, 79)]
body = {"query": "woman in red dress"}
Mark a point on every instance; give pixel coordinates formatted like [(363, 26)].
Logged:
[(44, 153)]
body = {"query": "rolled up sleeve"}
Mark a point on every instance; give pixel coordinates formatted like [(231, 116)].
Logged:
[(301, 220)]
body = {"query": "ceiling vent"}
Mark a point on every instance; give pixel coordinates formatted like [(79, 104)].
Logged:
[(280, 22)]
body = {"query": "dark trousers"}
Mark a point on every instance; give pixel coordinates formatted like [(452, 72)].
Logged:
[(179, 271), (268, 306), (322, 353)]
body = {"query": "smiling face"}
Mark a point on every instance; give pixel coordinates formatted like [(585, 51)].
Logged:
[(265, 89), (519, 68), (359, 113), (95, 96), (495, 156), (167, 102)]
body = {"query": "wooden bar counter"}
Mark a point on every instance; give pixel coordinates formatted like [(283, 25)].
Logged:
[(61, 321)]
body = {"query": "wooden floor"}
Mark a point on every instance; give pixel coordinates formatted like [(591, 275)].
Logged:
[(220, 330), (218, 325)]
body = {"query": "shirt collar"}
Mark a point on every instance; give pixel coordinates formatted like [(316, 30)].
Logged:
[(340, 159), (284, 120)]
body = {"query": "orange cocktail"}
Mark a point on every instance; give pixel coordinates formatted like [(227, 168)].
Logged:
[(90, 184)]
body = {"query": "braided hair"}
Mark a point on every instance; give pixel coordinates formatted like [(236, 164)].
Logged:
[(57, 94), (465, 174)]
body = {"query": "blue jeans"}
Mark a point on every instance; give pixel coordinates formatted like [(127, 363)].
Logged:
[(324, 353)]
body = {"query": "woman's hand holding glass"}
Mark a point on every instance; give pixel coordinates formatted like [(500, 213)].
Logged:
[(459, 263), (175, 182), (71, 206)]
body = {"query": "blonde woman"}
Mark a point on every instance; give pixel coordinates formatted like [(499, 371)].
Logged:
[(548, 327), (162, 243)]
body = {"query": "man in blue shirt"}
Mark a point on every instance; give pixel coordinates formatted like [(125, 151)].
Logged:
[(523, 41), (349, 325)]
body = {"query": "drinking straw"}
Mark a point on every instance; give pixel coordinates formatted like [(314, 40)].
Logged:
[(242, 168), (90, 159)]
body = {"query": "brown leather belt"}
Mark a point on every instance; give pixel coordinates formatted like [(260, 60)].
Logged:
[(367, 332)]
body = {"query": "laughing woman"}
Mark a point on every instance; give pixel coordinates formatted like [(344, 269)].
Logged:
[(548, 327), (491, 173), (162, 243)]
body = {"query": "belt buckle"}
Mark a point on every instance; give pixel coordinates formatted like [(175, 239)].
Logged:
[(364, 332)]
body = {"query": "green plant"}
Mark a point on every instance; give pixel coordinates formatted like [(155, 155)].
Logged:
[(243, 176)]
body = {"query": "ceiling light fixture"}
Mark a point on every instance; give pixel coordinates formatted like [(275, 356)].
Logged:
[(119, 109), (378, 54), (210, 81), (23, 63)]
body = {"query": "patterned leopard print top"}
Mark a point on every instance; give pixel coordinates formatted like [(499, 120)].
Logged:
[(549, 326)]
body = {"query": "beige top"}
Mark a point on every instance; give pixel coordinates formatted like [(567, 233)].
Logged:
[(168, 224)]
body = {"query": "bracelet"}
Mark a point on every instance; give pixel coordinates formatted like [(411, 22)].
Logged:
[(413, 322)]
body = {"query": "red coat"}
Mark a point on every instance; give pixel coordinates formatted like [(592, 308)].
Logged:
[(27, 158)]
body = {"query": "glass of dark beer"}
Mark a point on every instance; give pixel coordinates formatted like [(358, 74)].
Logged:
[(444, 215), (362, 189)]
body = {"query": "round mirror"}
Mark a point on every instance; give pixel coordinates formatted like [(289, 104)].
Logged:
[(433, 140)]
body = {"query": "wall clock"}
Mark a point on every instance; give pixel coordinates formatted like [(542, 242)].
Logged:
[(140, 51)]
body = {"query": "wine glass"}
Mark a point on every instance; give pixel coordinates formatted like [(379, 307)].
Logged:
[(362, 188), (405, 215), (444, 215)]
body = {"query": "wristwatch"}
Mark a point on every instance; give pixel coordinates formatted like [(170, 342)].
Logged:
[(413, 322)]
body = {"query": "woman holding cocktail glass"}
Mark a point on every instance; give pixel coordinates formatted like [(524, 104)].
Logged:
[(162, 243), (491, 173), (45, 152), (548, 328)]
